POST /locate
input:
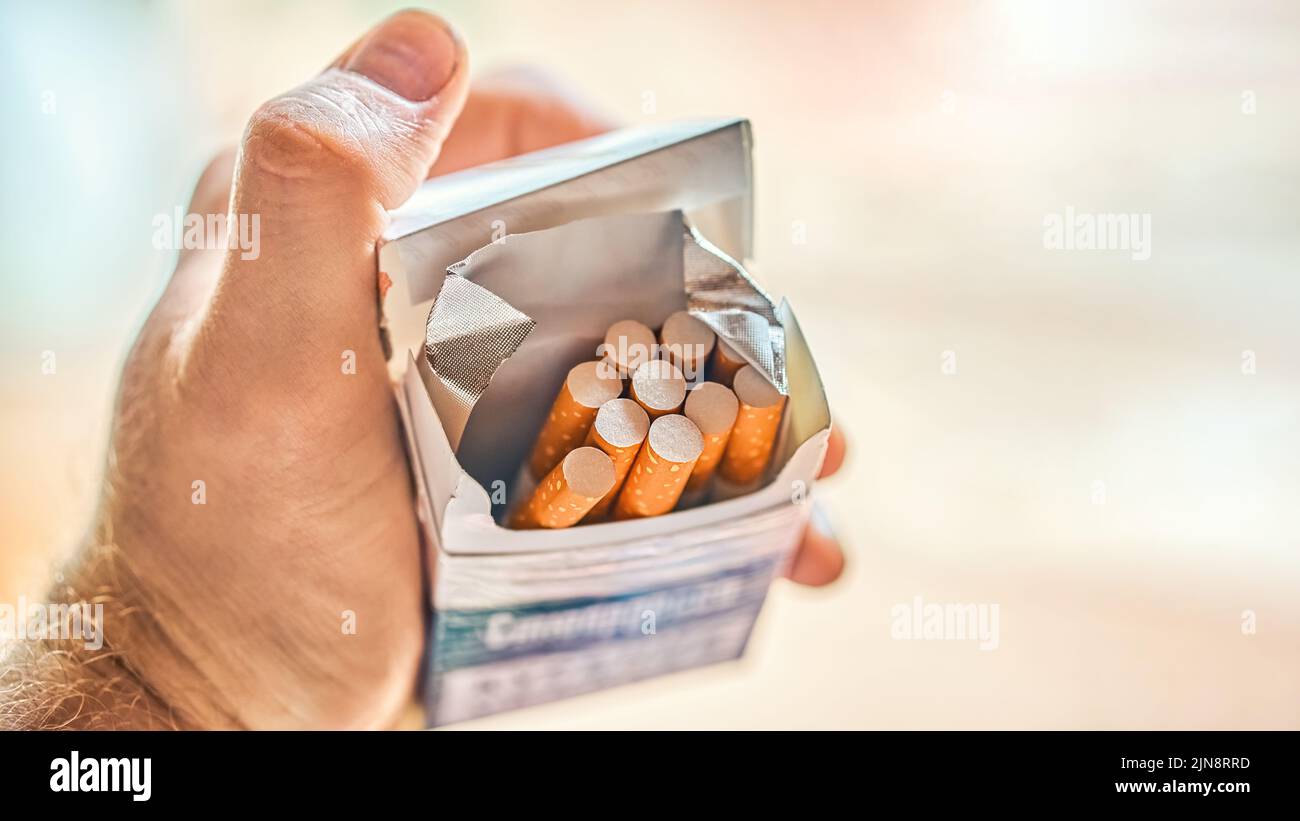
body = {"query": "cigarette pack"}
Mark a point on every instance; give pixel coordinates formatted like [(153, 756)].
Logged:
[(496, 281)]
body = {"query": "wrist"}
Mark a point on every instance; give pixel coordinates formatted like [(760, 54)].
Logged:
[(53, 684), (61, 672), (141, 644), (93, 657)]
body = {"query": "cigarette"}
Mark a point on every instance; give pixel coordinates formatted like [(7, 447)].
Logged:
[(628, 343), (571, 489), (687, 343), (659, 473), (713, 408), (585, 389), (726, 362), (757, 422), (658, 387), (620, 428)]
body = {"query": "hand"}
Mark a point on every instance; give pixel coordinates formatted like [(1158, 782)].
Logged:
[(231, 612)]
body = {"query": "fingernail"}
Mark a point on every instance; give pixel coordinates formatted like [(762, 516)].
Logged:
[(412, 53)]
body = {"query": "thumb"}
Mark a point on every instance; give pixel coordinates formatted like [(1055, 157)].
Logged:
[(317, 169), (372, 124)]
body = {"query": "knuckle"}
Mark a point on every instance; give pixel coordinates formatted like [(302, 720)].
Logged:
[(307, 134)]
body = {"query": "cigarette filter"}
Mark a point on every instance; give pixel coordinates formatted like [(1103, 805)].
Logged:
[(687, 343), (659, 387), (659, 473), (585, 389), (713, 408), (726, 362), (756, 426), (628, 343), (572, 487), (620, 429)]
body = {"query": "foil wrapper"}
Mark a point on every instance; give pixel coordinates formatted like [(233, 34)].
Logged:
[(721, 293), (471, 331)]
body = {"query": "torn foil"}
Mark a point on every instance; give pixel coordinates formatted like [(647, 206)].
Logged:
[(722, 294), (471, 331)]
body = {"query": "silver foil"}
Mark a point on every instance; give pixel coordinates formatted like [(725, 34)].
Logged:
[(471, 331), (721, 293)]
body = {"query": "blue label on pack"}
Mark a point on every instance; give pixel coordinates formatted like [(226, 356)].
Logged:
[(484, 661)]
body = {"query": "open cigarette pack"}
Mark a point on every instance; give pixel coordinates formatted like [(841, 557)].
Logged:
[(568, 548)]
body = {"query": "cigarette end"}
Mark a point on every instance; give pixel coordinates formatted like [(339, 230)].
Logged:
[(587, 386), (659, 387), (757, 422), (713, 408), (661, 469), (726, 362), (627, 345), (569, 491), (686, 342), (619, 430)]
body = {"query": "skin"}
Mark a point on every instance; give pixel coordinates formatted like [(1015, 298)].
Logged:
[(228, 614)]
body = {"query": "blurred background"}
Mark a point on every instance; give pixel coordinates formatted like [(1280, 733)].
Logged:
[(1107, 449)]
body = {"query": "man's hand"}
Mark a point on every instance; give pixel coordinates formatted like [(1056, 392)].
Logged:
[(257, 498)]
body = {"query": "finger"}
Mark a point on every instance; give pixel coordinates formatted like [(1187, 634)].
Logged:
[(212, 191), (836, 449), (211, 195), (199, 263), (318, 168), (515, 112), (820, 559)]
